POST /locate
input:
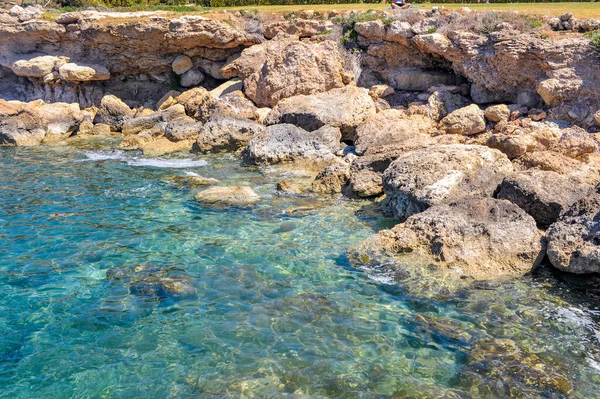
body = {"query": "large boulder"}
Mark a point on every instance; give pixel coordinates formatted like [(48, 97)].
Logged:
[(332, 179), (198, 103), (72, 72), (37, 67), (226, 134), (279, 69), (345, 108), (235, 105), (113, 112), (543, 194), (483, 238), (391, 130), (286, 142), (444, 102), (466, 121), (60, 120), (573, 244), (366, 173), (442, 174), (241, 196)]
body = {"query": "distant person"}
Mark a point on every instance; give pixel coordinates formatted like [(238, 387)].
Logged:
[(400, 5)]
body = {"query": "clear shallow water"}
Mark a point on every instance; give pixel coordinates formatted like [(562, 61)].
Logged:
[(268, 306)]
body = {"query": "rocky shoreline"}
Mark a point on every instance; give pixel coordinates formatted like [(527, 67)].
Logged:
[(483, 145)]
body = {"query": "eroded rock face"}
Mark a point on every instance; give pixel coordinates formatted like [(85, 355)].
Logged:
[(226, 134), (241, 196), (466, 121), (344, 108), (442, 174), (332, 179), (286, 143), (298, 27), (113, 112), (543, 194), (392, 130), (284, 68), (483, 238), (573, 243)]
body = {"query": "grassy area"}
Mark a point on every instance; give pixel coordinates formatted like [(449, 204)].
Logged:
[(580, 10)]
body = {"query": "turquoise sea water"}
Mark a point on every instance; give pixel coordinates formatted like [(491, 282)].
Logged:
[(265, 304)]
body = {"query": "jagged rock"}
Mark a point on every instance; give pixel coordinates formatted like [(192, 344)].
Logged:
[(167, 100), (181, 64), (553, 91), (198, 103), (37, 67), (298, 27), (555, 162), (575, 142), (483, 238), (192, 78), (182, 128), (366, 173), (399, 31), (370, 29), (113, 112), (442, 174), (514, 145), (391, 130), (284, 68), (332, 179), (497, 113), (345, 108), (286, 142), (153, 120), (226, 134), (378, 91), (442, 103), (543, 194), (228, 87), (573, 244), (236, 105), (597, 117), (83, 73), (466, 121), (241, 196)]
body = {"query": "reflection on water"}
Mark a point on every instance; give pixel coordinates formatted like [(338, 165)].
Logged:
[(114, 284)]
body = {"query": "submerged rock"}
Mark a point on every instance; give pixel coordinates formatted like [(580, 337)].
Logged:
[(228, 196), (573, 241), (482, 238), (442, 174), (190, 181), (332, 179)]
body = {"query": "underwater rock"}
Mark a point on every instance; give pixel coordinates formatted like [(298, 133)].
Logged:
[(332, 179), (190, 181), (228, 196)]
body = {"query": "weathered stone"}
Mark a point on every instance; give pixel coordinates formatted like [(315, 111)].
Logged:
[(286, 142), (226, 134), (298, 27), (378, 91), (371, 29), (191, 78), (236, 105), (466, 121), (241, 196), (182, 128), (442, 174), (573, 244), (332, 179), (181, 64), (83, 73), (113, 112), (391, 130), (497, 113), (483, 238), (442, 103), (399, 31), (279, 69), (543, 194), (198, 103), (36, 67), (345, 108), (190, 181), (366, 173)]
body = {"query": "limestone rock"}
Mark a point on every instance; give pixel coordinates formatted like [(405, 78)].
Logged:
[(113, 112), (484, 238), (366, 173), (543, 194), (36, 67), (466, 121), (442, 103), (399, 31), (597, 117), (573, 244), (181, 64), (371, 29), (182, 128), (286, 142), (236, 105), (497, 113), (198, 103), (378, 91), (393, 130), (442, 174), (190, 181), (226, 134), (298, 27), (279, 69), (83, 73), (191, 78), (241, 196), (332, 179), (345, 108)]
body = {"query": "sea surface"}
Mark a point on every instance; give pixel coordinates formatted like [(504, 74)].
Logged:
[(115, 283)]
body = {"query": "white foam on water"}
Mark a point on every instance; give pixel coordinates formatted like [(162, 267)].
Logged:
[(105, 155), (187, 173), (166, 163)]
